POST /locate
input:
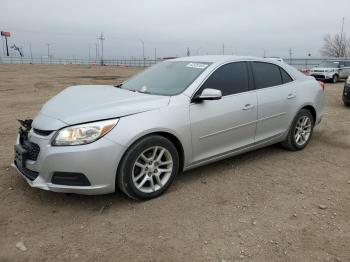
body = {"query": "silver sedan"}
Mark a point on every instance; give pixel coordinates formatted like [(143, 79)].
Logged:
[(174, 116)]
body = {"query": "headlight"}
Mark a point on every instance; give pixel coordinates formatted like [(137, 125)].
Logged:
[(83, 134), (348, 80)]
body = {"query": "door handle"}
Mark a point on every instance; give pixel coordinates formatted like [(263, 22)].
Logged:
[(248, 107), (291, 96)]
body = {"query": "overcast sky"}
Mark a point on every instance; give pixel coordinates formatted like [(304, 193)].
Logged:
[(246, 27)]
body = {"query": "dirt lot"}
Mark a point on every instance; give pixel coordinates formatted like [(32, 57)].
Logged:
[(261, 206)]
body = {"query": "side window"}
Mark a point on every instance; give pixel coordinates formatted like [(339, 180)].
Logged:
[(266, 75), (230, 79), (285, 76)]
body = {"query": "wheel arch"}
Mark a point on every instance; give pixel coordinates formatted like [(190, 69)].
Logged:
[(312, 110), (177, 143), (168, 135)]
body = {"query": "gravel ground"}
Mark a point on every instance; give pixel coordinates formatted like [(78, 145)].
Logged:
[(267, 205)]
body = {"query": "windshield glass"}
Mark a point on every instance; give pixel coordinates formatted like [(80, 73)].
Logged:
[(329, 64), (166, 78)]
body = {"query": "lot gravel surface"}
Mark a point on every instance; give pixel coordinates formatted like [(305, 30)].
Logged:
[(267, 205)]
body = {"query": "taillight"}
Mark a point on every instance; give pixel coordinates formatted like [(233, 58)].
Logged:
[(321, 84)]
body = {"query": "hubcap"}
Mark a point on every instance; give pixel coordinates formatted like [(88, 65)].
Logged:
[(152, 169), (302, 130)]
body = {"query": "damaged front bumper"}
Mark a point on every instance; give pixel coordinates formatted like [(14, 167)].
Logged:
[(87, 169)]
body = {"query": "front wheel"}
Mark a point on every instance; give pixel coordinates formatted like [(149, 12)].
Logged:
[(335, 79), (148, 168), (300, 132)]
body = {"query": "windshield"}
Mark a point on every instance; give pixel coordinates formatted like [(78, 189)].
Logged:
[(329, 64), (166, 78)]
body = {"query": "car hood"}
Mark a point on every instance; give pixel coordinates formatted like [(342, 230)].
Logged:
[(86, 103), (323, 69)]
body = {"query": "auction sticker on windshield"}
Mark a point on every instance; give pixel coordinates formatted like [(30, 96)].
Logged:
[(197, 65)]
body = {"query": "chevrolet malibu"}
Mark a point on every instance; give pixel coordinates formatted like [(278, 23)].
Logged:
[(175, 116)]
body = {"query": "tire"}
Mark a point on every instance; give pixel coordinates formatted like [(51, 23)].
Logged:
[(292, 143), (148, 168), (335, 79)]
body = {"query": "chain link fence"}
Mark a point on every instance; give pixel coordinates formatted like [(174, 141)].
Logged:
[(77, 61), (299, 63)]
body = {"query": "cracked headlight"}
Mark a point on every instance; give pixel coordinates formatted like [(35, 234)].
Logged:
[(84, 133)]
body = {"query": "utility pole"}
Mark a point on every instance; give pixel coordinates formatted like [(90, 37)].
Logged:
[(223, 49), (31, 54), (342, 47), (96, 52), (101, 38), (89, 53), (155, 55), (7, 47), (143, 52), (48, 50), (290, 55), (188, 52)]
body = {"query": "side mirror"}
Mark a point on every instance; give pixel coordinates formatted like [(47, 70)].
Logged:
[(209, 94)]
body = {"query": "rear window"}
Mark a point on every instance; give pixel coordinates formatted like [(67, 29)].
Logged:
[(285, 76), (266, 75)]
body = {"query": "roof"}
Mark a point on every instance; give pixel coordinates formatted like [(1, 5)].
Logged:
[(220, 58)]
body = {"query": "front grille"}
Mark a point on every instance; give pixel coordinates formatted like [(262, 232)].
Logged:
[(42, 132), (319, 71), (32, 149), (318, 76)]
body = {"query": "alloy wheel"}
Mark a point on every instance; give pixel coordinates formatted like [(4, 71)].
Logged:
[(152, 169), (302, 130)]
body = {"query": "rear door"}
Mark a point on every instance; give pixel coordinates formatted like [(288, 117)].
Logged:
[(221, 126), (276, 96)]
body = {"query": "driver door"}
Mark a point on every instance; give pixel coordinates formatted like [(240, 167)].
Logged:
[(221, 126)]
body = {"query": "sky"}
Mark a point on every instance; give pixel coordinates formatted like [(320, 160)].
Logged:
[(244, 27)]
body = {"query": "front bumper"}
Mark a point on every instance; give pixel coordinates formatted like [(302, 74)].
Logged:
[(322, 75), (97, 161), (346, 94)]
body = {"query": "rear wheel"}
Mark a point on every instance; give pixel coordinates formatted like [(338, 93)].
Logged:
[(148, 168), (300, 132)]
